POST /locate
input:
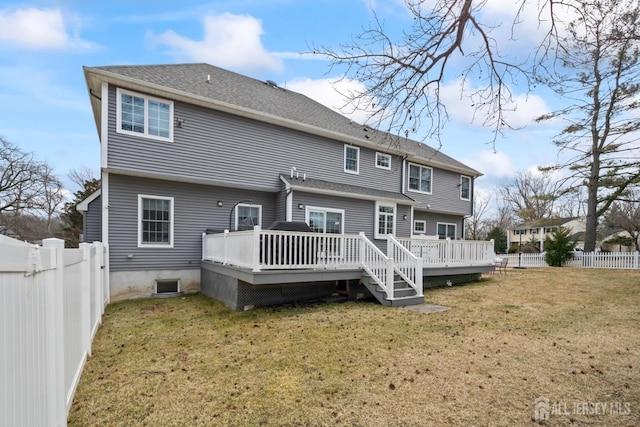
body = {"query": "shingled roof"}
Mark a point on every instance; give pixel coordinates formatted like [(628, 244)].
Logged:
[(207, 82)]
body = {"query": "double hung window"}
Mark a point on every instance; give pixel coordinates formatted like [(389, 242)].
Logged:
[(465, 188), (351, 159), (155, 221), (420, 178), (143, 115)]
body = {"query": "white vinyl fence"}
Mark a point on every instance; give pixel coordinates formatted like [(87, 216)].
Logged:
[(51, 304), (612, 260)]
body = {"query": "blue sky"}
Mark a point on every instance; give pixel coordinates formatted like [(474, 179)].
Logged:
[(44, 106)]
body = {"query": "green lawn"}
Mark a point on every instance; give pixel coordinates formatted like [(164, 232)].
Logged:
[(569, 335)]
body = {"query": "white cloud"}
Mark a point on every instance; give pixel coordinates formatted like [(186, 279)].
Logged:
[(38, 29), (332, 93), (229, 41), (492, 164)]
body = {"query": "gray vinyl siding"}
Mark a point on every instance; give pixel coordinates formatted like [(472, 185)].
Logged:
[(195, 211), (92, 221), (224, 148), (445, 193)]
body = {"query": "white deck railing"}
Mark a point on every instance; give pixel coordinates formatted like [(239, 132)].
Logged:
[(447, 253), (51, 303), (260, 250)]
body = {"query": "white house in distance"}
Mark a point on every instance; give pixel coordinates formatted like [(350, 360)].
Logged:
[(538, 231)]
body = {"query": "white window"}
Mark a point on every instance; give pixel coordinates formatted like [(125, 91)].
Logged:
[(420, 178), (383, 161), (155, 221), (385, 220), (351, 159), (465, 188), (325, 220), (143, 115), (446, 230), (419, 227), (248, 216), (549, 229), (518, 232)]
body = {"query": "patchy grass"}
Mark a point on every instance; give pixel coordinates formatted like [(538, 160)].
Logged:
[(570, 335)]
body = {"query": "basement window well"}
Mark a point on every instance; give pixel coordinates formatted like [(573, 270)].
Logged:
[(167, 288)]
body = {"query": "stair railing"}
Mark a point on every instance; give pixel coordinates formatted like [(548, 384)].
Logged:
[(377, 265), (405, 264)]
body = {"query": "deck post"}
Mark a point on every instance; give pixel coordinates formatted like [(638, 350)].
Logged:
[(362, 256), (255, 248), (224, 247)]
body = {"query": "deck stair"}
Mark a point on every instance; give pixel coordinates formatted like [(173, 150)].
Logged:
[(403, 293)]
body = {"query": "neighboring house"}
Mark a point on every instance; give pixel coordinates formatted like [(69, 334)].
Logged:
[(539, 231), (191, 148)]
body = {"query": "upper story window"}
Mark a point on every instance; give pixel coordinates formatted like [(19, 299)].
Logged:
[(385, 220), (465, 188), (383, 161), (518, 232), (549, 229), (420, 178), (143, 115), (351, 159), (248, 216), (155, 221)]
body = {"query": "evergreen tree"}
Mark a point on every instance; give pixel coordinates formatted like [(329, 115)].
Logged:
[(499, 237), (559, 247)]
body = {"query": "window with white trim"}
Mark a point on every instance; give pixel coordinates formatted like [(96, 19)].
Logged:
[(420, 178), (351, 159), (465, 187), (446, 230), (419, 227), (385, 220), (248, 216), (155, 221), (518, 232), (325, 220), (383, 161), (143, 115)]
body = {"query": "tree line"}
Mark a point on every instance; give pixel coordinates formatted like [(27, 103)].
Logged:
[(33, 202)]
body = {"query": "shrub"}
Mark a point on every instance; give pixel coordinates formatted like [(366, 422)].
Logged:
[(559, 248)]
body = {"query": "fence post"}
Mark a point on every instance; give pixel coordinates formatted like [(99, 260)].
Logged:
[(85, 297), (362, 258), (56, 393)]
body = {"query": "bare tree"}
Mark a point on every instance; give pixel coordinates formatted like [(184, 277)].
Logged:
[(449, 39), (626, 215), (531, 197), (597, 74), (20, 182), (81, 176), (476, 224), (51, 196)]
